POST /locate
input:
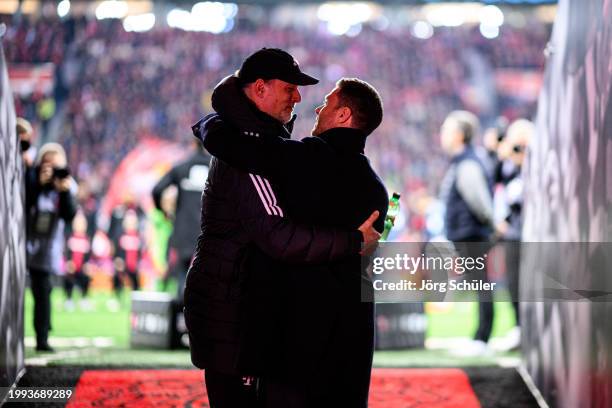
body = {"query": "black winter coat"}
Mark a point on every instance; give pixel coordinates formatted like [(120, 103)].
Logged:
[(243, 226), (326, 330)]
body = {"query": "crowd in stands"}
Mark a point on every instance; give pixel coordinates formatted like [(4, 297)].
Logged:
[(123, 86)]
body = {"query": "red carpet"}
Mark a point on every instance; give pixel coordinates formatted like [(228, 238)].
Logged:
[(391, 388)]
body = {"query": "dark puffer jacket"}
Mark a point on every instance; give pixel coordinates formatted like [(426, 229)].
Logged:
[(243, 226), (326, 324)]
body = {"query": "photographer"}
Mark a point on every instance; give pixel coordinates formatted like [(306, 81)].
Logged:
[(50, 204)]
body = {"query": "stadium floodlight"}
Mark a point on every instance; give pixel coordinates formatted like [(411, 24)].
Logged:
[(491, 16), (177, 18), (139, 23), (354, 30), (111, 9), (344, 18), (216, 9), (446, 15), (212, 17), (63, 8), (489, 31), (422, 30), (338, 26), (184, 20)]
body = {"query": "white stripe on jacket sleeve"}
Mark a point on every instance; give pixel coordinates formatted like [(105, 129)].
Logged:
[(274, 203), (266, 195)]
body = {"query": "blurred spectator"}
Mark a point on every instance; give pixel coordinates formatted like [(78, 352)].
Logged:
[(123, 86)]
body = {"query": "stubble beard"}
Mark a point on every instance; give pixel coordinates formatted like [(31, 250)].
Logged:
[(315, 129)]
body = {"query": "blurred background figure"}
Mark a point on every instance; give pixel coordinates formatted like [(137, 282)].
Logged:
[(116, 225), (130, 247), (467, 193), (89, 205), (518, 137), (491, 139), (127, 256), (188, 177), (78, 252), (25, 133), (160, 221), (50, 204)]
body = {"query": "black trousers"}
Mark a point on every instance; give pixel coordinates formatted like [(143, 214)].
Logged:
[(40, 282), (78, 278), (278, 393), (342, 377), (118, 280), (476, 247), (230, 391)]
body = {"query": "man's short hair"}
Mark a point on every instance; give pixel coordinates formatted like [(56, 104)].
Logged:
[(23, 126), (467, 123), (364, 102)]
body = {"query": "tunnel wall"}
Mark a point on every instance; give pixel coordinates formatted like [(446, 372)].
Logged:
[(12, 240), (567, 343)]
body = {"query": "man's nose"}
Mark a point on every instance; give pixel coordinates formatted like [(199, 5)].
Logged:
[(297, 97), (318, 109)]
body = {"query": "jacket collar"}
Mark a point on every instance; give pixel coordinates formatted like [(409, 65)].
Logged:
[(345, 139), (231, 103)]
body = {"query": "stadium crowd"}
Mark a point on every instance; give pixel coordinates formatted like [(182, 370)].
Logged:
[(120, 87)]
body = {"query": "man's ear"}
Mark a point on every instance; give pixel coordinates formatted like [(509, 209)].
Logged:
[(259, 88), (344, 115)]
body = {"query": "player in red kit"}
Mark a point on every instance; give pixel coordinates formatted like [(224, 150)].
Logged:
[(78, 251), (128, 253)]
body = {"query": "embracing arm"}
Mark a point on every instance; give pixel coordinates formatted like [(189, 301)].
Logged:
[(248, 151), (243, 136), (267, 226), (283, 239)]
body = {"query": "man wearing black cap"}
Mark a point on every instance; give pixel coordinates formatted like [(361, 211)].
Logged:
[(244, 225), (325, 354), (271, 78)]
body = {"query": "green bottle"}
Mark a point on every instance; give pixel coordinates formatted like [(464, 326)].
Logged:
[(394, 205)]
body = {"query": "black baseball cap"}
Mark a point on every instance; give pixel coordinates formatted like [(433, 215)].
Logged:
[(273, 63)]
